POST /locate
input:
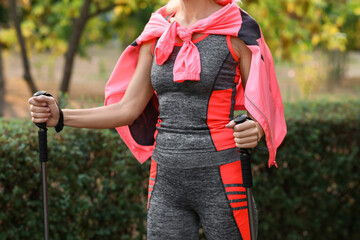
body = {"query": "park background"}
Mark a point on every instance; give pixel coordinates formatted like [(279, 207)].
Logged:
[(97, 190)]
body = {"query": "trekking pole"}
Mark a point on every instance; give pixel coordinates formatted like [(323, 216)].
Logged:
[(247, 180), (43, 157)]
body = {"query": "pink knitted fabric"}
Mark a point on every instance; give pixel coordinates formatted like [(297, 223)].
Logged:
[(187, 64)]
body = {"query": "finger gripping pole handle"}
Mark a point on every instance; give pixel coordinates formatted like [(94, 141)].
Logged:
[(39, 93)]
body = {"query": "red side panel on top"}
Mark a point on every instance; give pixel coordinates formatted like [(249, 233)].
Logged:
[(218, 116)]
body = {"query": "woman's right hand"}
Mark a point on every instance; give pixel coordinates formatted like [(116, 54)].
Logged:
[(44, 109)]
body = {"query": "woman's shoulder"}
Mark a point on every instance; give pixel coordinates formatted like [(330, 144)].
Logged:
[(239, 46)]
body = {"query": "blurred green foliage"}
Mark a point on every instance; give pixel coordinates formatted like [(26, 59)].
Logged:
[(314, 34), (292, 27), (47, 24), (97, 190), (315, 193), (3, 14)]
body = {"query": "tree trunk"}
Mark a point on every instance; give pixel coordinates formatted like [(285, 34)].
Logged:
[(79, 25), (2, 85), (337, 64), (25, 60)]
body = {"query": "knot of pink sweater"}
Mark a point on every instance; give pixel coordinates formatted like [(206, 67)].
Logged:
[(187, 64)]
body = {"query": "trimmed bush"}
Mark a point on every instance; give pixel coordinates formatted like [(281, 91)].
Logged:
[(315, 193), (97, 190)]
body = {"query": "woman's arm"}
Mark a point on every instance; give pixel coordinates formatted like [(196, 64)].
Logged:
[(137, 95), (249, 133)]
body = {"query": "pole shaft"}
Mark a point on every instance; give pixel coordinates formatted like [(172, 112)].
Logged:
[(247, 180), (251, 209), (43, 156), (45, 199), (248, 183)]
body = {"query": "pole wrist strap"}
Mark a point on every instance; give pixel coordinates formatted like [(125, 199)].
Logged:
[(60, 125)]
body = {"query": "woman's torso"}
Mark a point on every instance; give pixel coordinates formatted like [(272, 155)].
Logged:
[(191, 128)]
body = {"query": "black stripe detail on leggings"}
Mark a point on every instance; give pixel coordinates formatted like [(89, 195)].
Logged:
[(238, 200), (235, 193), (239, 208), (234, 185)]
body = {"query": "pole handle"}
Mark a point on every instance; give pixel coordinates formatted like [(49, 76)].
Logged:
[(39, 93), (245, 157), (43, 154)]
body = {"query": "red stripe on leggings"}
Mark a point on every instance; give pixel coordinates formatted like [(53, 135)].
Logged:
[(238, 204), (235, 189), (235, 197), (231, 174), (153, 170)]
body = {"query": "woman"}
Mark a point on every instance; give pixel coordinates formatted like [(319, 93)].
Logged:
[(197, 56)]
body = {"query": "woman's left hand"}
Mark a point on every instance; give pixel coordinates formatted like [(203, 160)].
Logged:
[(246, 134)]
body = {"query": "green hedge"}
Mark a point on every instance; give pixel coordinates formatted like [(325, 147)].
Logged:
[(315, 193), (98, 191)]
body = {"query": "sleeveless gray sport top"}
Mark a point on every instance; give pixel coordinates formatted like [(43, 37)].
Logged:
[(191, 127)]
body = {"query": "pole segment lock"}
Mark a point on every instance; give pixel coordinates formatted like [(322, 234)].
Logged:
[(43, 157)]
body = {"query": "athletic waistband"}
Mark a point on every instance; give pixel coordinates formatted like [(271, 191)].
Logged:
[(195, 160)]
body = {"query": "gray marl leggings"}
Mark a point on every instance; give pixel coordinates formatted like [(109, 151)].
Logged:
[(182, 199)]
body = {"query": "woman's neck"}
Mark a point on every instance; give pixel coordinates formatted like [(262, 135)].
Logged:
[(191, 11)]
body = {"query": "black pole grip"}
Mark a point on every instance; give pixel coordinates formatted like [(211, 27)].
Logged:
[(246, 169), (43, 155), (245, 158)]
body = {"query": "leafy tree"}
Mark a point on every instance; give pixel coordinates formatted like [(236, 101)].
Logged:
[(64, 27), (295, 28), (68, 27), (24, 53), (2, 85), (3, 23)]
